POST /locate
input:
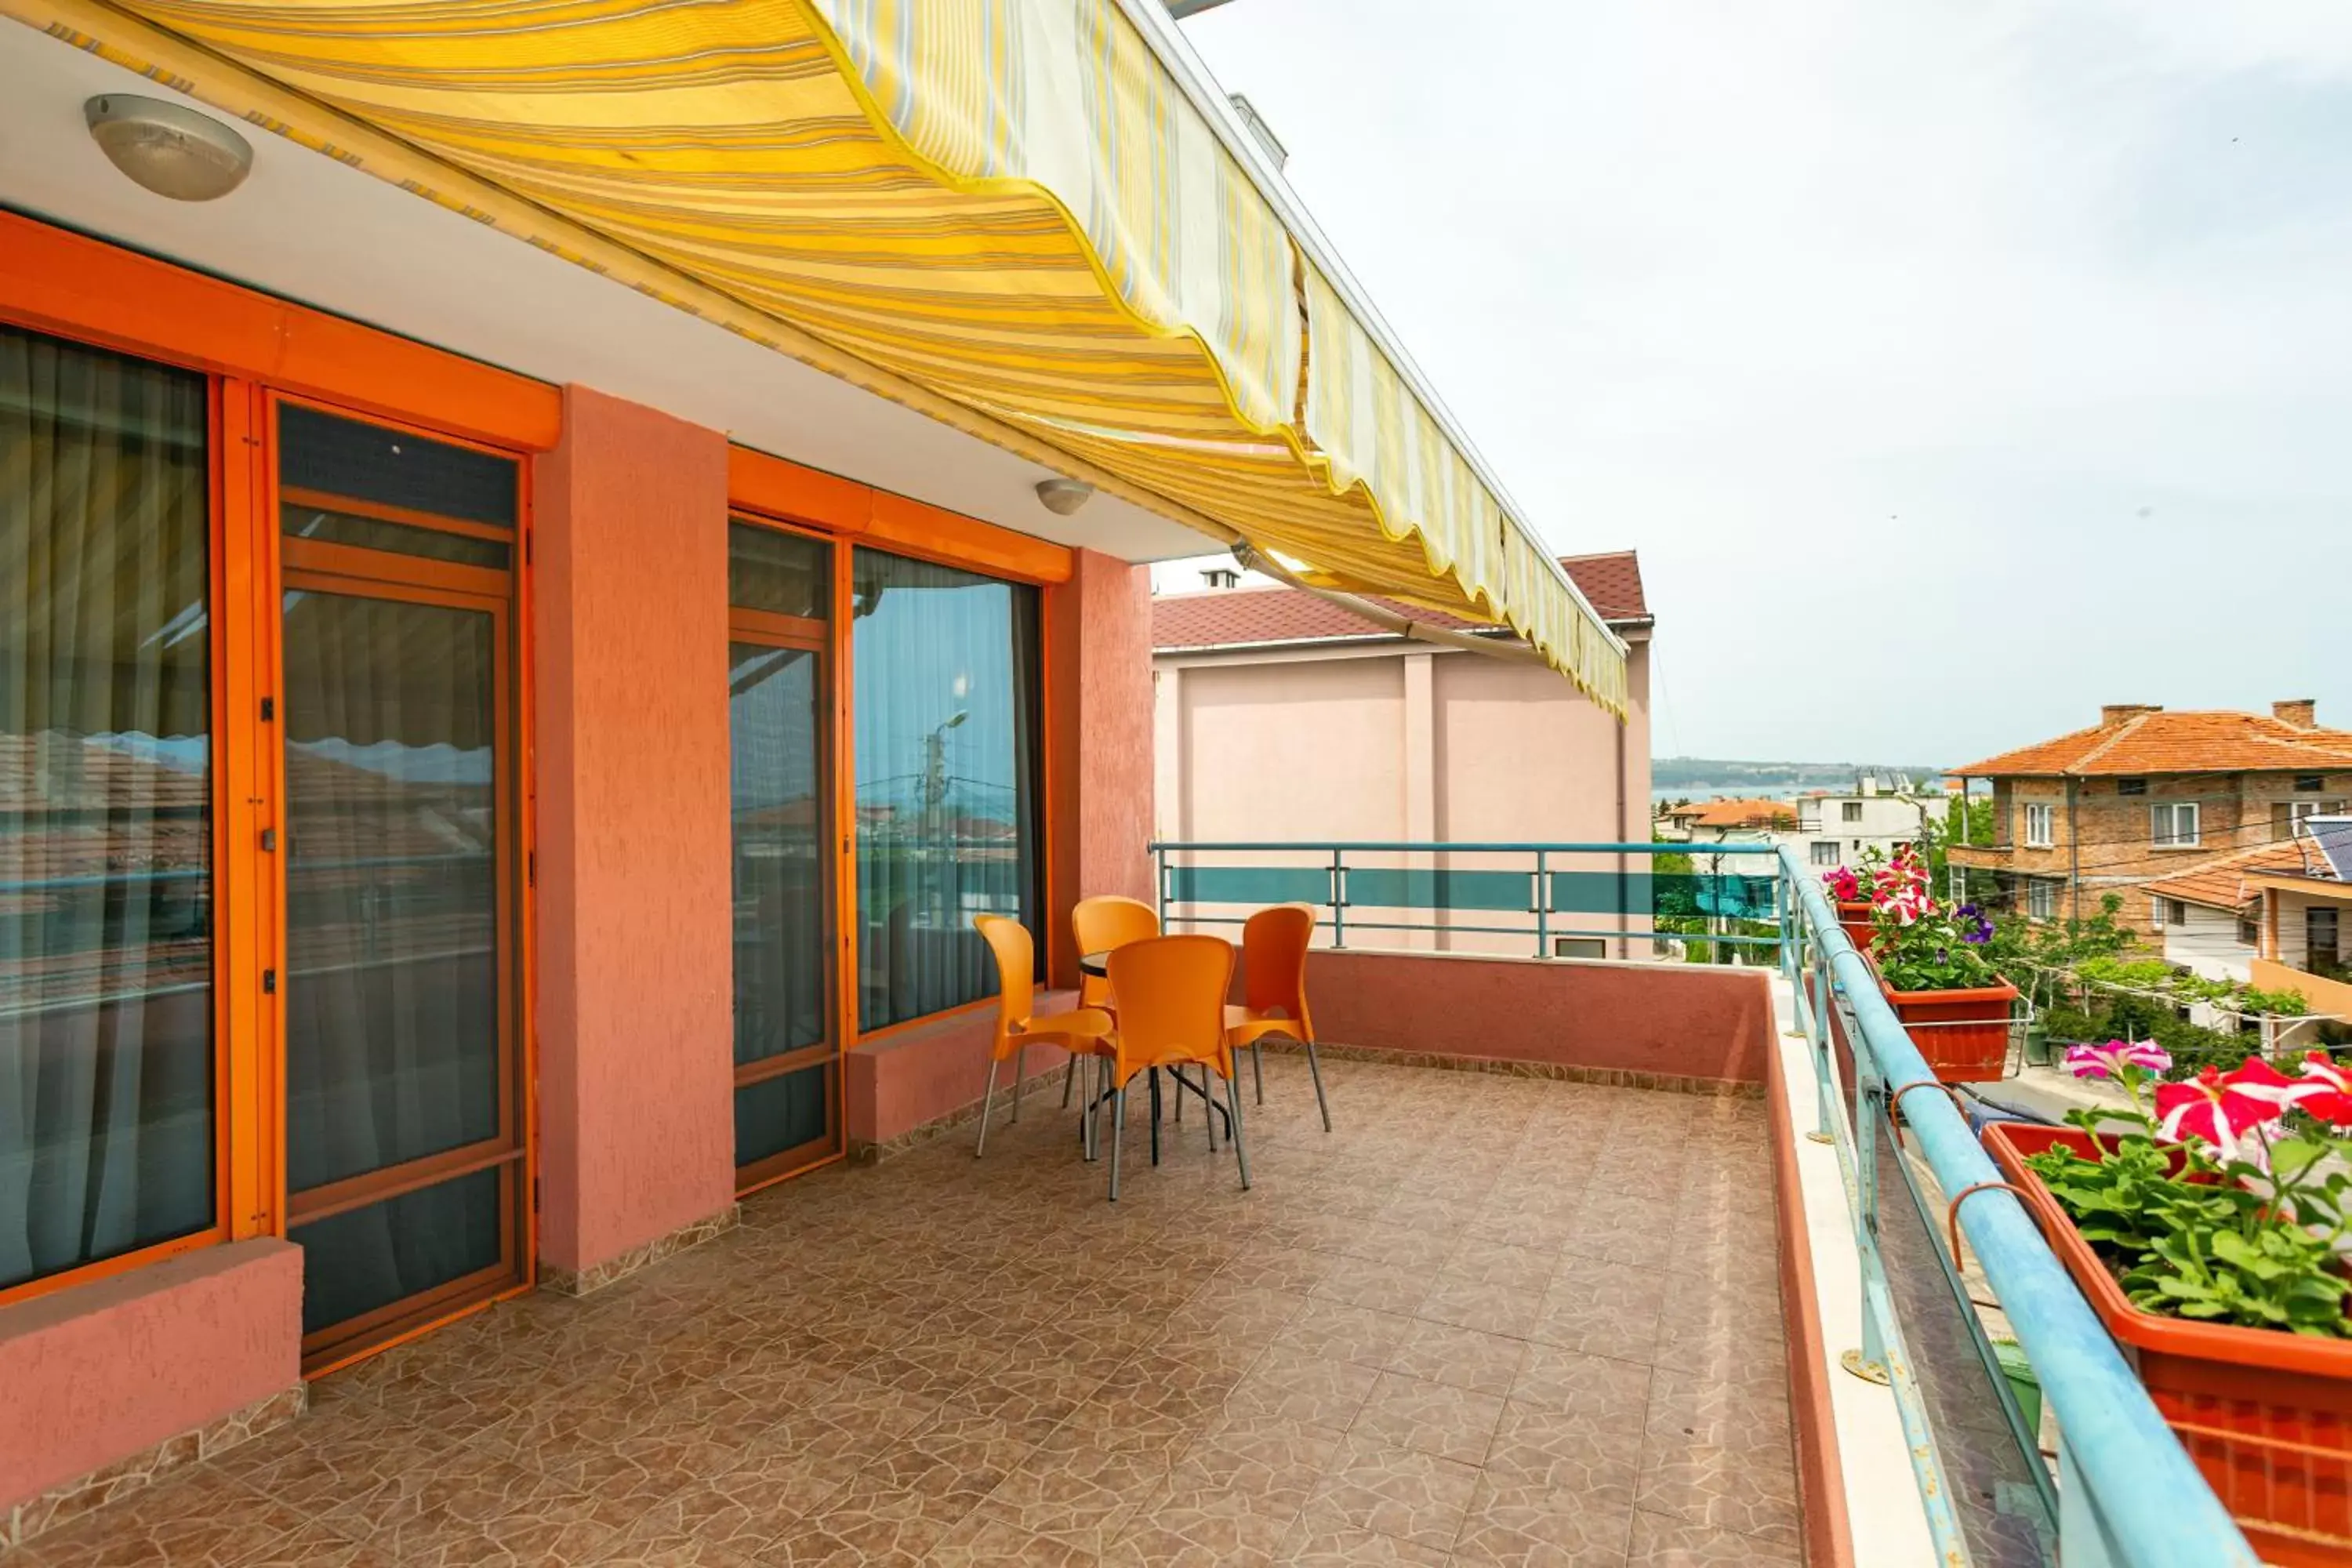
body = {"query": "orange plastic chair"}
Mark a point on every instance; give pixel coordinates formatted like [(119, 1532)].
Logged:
[(1274, 992), (1082, 1032), (1172, 1014), (1101, 924)]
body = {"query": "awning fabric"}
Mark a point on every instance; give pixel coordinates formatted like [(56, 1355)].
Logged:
[(1010, 202)]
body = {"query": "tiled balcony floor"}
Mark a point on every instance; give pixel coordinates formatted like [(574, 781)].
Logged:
[(1487, 1320)]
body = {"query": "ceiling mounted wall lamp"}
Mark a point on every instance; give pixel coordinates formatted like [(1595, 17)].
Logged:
[(1063, 497), (166, 149)]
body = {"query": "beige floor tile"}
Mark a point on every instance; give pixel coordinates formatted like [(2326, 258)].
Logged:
[(1462, 1358), (1309, 1545), (1393, 1491), (1434, 1417), (1662, 1542)]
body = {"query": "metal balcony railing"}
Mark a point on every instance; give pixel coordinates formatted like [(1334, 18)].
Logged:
[(2123, 1493)]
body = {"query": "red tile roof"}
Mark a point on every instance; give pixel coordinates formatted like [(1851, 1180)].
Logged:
[(2155, 742), (1226, 617), (2220, 883), (1743, 813)]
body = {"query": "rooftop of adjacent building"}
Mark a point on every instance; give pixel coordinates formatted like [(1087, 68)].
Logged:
[(1736, 814), (2144, 738), (1235, 616)]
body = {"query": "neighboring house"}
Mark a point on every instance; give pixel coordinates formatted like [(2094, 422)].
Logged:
[(1844, 829), (1731, 821), (2306, 917), (2210, 918), (2148, 795), (1284, 717)]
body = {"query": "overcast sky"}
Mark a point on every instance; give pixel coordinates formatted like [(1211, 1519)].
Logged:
[(2007, 346)]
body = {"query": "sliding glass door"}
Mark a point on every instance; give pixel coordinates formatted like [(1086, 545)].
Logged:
[(787, 1068), (107, 1046), (946, 693), (403, 1135)]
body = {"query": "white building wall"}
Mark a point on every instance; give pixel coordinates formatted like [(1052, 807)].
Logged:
[(1885, 821), (2206, 942)]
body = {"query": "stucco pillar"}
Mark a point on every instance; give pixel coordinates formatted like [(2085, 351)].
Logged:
[(1419, 771), (1099, 753), (637, 1126)]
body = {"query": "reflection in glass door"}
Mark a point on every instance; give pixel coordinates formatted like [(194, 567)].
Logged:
[(404, 1149), (787, 1074)]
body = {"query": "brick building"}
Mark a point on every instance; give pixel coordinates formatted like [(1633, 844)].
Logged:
[(2146, 795)]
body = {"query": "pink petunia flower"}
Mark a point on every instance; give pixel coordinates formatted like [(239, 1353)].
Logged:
[(2108, 1060)]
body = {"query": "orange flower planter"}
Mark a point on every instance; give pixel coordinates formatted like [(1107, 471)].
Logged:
[(1854, 920), (2266, 1415), (1967, 1040)]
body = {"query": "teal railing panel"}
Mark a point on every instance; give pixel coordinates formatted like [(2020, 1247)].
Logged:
[(1421, 887), (1690, 894), (1253, 885)]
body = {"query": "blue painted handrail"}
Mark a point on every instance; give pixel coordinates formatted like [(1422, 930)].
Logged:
[(2138, 1498)]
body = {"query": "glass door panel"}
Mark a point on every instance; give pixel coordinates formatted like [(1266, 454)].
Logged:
[(402, 1138), (783, 1005), (391, 1006), (107, 1058)]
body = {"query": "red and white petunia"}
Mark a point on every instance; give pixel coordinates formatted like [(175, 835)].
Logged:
[(2326, 1090), (2231, 1113)]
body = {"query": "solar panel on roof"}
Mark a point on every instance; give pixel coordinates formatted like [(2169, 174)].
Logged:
[(2332, 835)]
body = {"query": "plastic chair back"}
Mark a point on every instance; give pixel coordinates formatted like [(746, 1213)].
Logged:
[(1102, 924), (1273, 960), (1016, 967), (1171, 1000)]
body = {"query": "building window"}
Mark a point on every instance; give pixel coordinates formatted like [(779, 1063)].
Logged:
[(2040, 898), (2041, 826), (778, 694), (2176, 913), (1825, 852), (2250, 933), (944, 665), (2173, 825), (2310, 783), (2323, 954), (1851, 811), (107, 1121), (2287, 815), (1579, 947), (2131, 787)]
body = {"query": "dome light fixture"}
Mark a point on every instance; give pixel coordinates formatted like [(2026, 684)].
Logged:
[(1062, 497), (171, 151)]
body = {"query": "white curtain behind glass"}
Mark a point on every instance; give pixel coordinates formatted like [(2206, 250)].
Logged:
[(106, 1060)]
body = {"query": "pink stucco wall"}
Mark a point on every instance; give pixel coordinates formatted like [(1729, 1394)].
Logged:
[(1679, 1020), (99, 1371), (919, 1075), (1099, 692), (1397, 742), (635, 964)]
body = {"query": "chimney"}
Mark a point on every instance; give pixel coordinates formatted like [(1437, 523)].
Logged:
[(2114, 713), (2300, 712)]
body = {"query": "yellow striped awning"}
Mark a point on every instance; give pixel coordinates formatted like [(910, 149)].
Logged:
[(1013, 204)]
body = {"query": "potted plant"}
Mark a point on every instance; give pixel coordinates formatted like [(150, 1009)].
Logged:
[(1933, 967), (1853, 896), (2207, 1233)]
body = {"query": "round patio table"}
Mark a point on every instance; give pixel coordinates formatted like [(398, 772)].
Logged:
[(1096, 963)]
